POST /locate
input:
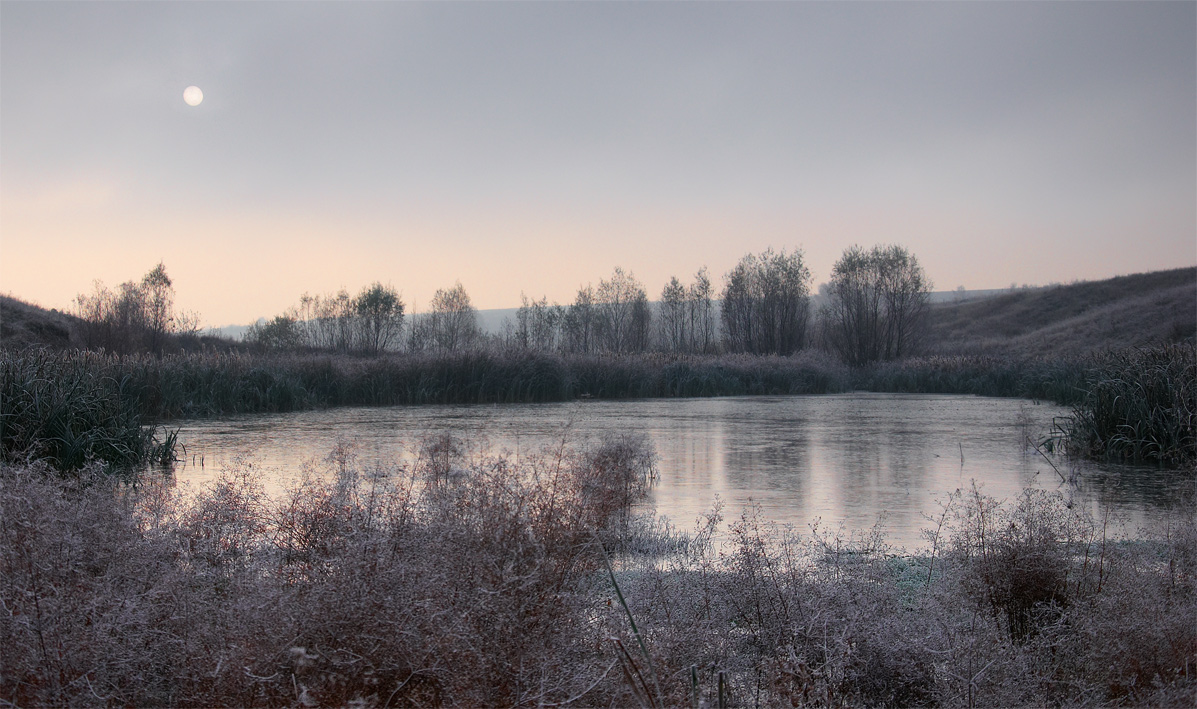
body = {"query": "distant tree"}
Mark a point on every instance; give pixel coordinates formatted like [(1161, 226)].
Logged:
[(281, 333), (766, 303), (621, 304), (137, 317), (685, 320), (158, 301), (906, 292), (538, 325), (700, 313), (580, 323), (379, 317), (876, 304), (328, 322), (451, 323), (673, 323)]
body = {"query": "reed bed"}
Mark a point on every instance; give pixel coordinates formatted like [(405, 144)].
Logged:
[(467, 579), (75, 409), (1140, 405), (211, 384), (1059, 380)]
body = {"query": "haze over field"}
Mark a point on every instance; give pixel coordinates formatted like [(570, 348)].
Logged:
[(533, 147)]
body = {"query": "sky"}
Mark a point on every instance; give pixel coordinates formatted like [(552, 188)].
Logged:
[(532, 147)]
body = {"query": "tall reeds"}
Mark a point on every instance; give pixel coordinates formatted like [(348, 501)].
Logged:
[(212, 384), (1139, 405), (1059, 380), (72, 409)]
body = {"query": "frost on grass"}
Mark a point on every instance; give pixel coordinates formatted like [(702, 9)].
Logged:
[(463, 579)]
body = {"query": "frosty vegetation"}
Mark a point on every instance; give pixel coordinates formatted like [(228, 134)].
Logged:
[(462, 578)]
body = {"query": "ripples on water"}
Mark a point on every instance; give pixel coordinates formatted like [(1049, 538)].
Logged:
[(850, 459)]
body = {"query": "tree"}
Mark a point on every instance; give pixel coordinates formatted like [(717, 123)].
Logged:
[(451, 323), (137, 317), (623, 315), (699, 313), (158, 296), (685, 319), (876, 305), (906, 291), (766, 303), (281, 333), (580, 323), (538, 324), (328, 322), (379, 315), (672, 322)]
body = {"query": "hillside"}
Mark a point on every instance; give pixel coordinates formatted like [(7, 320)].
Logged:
[(1127, 311), (26, 325)]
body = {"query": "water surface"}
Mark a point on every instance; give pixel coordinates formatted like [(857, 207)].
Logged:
[(851, 459)]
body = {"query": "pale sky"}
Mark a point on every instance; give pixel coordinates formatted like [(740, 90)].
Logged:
[(535, 146)]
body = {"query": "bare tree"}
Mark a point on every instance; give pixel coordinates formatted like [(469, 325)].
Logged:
[(876, 305), (158, 295), (907, 291), (672, 321), (138, 316), (685, 321), (700, 313), (328, 322), (451, 323), (623, 315), (580, 323), (538, 324), (766, 303)]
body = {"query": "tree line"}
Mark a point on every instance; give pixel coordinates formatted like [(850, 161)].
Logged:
[(873, 309)]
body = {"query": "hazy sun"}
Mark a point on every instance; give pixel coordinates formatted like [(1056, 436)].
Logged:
[(192, 96)]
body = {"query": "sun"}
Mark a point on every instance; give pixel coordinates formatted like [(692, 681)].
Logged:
[(192, 95)]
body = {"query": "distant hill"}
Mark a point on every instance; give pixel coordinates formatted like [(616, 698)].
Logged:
[(1127, 311)]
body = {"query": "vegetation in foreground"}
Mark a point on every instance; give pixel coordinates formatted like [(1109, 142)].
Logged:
[(467, 580)]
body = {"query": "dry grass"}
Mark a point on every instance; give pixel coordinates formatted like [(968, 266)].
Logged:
[(1139, 310)]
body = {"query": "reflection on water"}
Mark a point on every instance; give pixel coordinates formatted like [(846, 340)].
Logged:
[(849, 459)]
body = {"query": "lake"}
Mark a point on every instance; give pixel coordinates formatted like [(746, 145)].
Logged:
[(850, 459)]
